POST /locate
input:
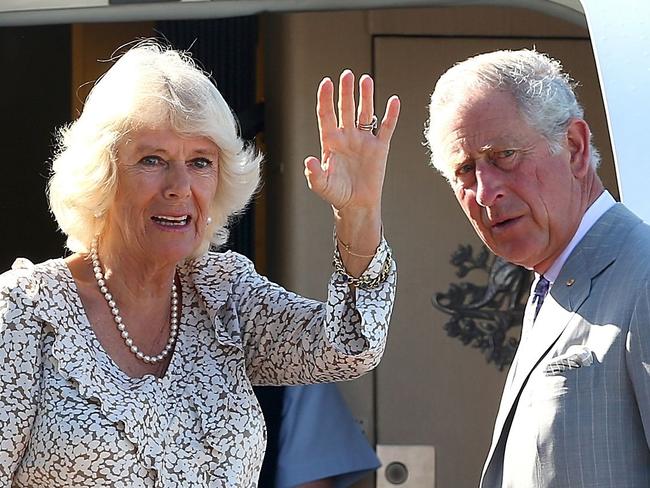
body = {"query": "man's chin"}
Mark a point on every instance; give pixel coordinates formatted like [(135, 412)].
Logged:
[(511, 255)]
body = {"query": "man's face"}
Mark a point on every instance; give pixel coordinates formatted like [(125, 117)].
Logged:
[(523, 201)]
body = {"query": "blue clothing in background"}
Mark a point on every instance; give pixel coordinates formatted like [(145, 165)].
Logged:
[(319, 439)]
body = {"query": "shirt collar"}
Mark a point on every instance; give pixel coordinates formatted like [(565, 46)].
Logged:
[(602, 204)]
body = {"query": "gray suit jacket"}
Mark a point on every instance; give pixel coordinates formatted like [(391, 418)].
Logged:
[(575, 411)]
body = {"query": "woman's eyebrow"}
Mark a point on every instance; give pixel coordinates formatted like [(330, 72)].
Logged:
[(205, 151)]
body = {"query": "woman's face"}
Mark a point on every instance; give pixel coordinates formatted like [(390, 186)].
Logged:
[(166, 185)]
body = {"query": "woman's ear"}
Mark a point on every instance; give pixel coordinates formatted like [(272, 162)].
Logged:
[(578, 137)]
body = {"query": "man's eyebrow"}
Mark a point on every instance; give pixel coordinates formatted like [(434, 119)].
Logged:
[(459, 159), (510, 143)]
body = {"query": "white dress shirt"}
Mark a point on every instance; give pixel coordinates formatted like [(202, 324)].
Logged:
[(602, 204)]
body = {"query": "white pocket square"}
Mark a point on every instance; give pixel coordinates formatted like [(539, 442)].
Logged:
[(574, 357)]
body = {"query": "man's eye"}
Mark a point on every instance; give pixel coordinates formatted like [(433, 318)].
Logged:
[(505, 154), (151, 160), (201, 163), (465, 169), (464, 175)]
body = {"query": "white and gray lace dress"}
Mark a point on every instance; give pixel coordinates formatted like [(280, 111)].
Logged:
[(69, 417)]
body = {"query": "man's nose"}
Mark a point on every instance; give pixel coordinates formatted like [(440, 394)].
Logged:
[(177, 181), (489, 187)]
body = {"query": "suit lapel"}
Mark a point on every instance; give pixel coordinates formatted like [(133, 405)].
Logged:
[(550, 323), (594, 253)]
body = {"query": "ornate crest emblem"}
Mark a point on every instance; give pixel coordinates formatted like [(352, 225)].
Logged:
[(487, 317)]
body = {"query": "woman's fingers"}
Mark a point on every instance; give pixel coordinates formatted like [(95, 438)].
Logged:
[(327, 118), (346, 100), (351, 169), (366, 100), (325, 108), (389, 122), (315, 174), (348, 116)]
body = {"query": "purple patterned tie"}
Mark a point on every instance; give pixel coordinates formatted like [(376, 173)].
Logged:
[(541, 289)]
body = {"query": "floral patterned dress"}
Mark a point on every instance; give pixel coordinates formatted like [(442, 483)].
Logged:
[(70, 417)]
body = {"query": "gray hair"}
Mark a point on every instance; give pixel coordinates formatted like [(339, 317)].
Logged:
[(544, 94), (149, 86)]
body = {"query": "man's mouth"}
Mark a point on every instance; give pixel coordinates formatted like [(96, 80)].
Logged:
[(172, 221), (502, 224)]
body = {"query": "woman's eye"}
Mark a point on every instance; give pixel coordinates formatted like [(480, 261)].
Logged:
[(150, 160), (201, 163)]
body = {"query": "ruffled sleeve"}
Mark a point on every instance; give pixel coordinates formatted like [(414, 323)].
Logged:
[(20, 364), (289, 339)]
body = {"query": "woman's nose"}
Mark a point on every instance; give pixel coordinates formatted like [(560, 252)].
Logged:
[(177, 181)]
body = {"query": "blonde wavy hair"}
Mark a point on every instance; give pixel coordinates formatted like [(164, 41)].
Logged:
[(149, 86)]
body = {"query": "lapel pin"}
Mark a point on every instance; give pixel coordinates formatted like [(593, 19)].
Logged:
[(570, 282)]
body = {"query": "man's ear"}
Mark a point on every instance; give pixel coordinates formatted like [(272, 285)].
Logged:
[(578, 137)]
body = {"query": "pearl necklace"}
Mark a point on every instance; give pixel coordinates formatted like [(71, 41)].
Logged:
[(121, 327)]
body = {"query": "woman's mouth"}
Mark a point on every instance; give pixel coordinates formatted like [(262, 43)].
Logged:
[(171, 220)]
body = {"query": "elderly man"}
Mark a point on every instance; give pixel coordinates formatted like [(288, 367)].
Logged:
[(507, 132)]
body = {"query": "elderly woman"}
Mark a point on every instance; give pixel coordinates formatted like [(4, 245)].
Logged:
[(130, 362)]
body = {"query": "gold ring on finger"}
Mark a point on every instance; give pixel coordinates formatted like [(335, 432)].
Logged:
[(369, 127)]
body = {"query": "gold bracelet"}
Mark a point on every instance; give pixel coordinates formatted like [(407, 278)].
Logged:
[(363, 283), (346, 248)]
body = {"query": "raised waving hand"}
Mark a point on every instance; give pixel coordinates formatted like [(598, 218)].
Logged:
[(350, 172)]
